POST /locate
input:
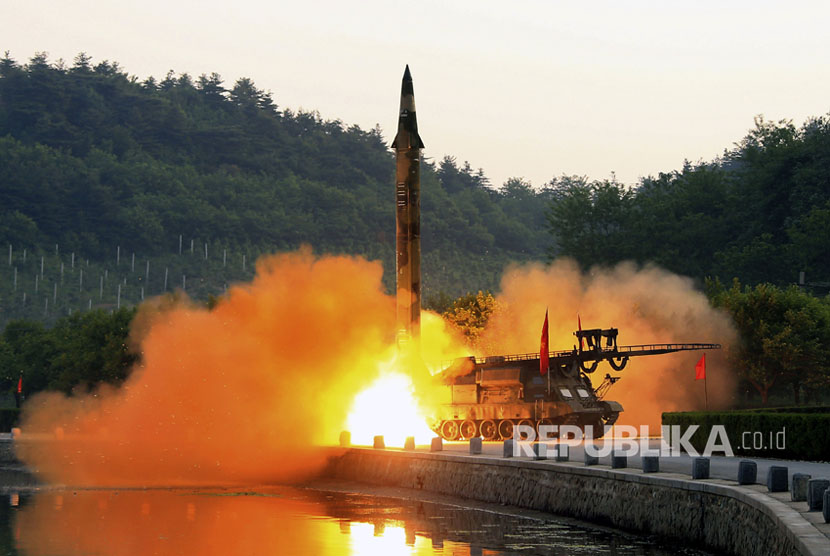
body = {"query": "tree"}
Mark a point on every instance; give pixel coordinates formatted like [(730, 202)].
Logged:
[(784, 336), (469, 314), (590, 220)]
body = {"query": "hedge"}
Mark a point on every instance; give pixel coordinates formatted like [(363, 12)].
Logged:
[(758, 433)]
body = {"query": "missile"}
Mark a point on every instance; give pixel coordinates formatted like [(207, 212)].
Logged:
[(408, 145)]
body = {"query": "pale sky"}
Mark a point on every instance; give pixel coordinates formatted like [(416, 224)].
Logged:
[(532, 89)]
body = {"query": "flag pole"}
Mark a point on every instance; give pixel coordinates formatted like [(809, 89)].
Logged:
[(705, 394)]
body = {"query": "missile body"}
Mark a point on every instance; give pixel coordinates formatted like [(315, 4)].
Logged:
[(408, 147)]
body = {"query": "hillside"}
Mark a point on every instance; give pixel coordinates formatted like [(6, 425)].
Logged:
[(94, 161)]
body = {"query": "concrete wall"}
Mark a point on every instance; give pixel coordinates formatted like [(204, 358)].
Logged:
[(712, 515)]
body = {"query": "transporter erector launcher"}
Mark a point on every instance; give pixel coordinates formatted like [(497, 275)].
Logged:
[(408, 145)]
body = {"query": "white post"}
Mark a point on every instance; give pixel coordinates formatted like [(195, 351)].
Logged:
[(191, 246), (184, 282), (24, 299), (224, 257), (73, 260), (41, 266), (106, 274), (101, 289), (118, 303), (15, 278), (243, 262), (165, 278), (90, 304), (57, 252), (180, 244), (205, 251), (46, 307), (147, 272), (132, 267), (142, 293), (81, 281), (10, 254), (117, 255)]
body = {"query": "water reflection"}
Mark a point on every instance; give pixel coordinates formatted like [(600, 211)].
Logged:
[(282, 521)]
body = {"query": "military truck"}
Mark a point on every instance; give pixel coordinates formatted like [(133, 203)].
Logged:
[(492, 395)]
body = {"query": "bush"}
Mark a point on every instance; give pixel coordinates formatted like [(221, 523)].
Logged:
[(758, 433)]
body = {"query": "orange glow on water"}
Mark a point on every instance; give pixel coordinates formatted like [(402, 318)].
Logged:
[(175, 522)]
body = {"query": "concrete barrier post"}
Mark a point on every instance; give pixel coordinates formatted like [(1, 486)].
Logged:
[(540, 450), (345, 439), (409, 443), (747, 472), (475, 445), (798, 489), (508, 448), (777, 478), (379, 444), (700, 468), (591, 460), (815, 493), (619, 461), (651, 464), (436, 445), (562, 452)]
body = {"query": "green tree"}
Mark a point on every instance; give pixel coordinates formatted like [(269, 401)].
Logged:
[(784, 336), (469, 314)]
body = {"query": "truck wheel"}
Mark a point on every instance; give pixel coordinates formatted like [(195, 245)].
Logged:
[(526, 423), (506, 429), (489, 431), (468, 429), (449, 430)]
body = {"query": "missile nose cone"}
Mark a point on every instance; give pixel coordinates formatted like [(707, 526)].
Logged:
[(407, 136), (406, 83)]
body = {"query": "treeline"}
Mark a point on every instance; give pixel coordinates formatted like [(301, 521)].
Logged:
[(81, 351), (92, 158), (760, 213)]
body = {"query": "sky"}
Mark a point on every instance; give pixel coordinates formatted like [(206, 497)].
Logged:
[(529, 89)]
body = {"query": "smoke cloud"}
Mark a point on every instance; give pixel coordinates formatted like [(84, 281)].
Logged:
[(239, 394), (648, 305)]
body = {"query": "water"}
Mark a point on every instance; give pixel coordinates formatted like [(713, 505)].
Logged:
[(285, 521)]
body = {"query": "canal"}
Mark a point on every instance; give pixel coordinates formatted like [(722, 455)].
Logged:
[(289, 521)]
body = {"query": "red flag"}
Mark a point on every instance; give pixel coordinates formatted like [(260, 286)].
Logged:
[(700, 368), (20, 385), (544, 360), (579, 323)]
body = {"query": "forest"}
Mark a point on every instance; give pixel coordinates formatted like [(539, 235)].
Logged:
[(114, 188)]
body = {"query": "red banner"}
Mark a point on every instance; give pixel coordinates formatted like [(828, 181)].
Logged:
[(700, 368), (544, 358)]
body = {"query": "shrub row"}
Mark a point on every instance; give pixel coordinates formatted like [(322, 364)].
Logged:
[(799, 436)]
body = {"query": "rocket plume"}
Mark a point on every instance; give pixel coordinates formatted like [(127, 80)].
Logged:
[(239, 394)]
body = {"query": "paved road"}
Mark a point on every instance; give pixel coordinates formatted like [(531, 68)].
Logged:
[(720, 467)]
